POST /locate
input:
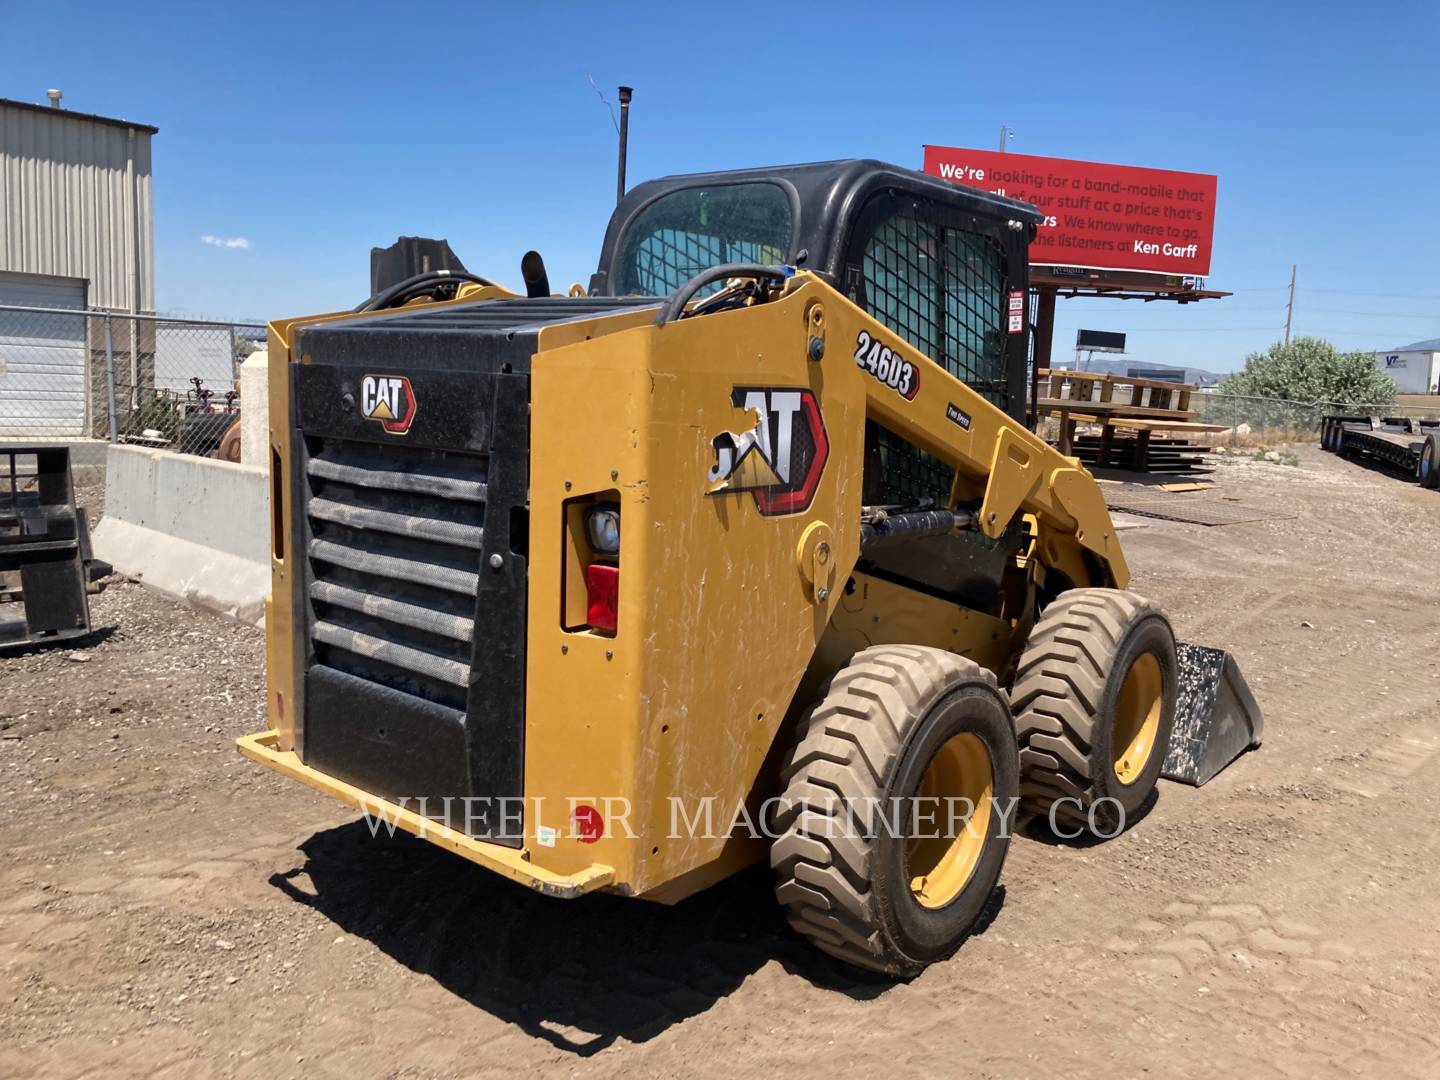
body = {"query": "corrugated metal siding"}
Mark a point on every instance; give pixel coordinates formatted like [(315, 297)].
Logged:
[(42, 359), (69, 207)]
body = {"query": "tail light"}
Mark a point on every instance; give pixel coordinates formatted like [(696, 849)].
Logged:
[(602, 586), (591, 596)]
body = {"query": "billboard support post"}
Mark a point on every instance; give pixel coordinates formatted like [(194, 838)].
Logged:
[(1044, 340)]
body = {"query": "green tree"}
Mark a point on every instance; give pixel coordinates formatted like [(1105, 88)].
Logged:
[(1311, 369), (243, 348)]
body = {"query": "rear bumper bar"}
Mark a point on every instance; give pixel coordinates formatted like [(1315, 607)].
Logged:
[(512, 863)]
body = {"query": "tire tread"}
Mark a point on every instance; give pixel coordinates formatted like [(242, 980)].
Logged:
[(1058, 691), (848, 743)]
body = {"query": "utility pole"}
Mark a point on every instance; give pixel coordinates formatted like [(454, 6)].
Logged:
[(626, 93), (1006, 134), (1290, 307)]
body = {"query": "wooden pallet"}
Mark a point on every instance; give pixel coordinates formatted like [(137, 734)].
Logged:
[(1141, 407), (1155, 455)]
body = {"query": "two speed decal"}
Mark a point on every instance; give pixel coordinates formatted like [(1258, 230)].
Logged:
[(887, 365)]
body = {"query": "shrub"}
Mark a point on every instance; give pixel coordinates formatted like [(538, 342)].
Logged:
[(1311, 369)]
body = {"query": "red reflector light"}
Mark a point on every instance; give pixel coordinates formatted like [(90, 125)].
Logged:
[(602, 586), (589, 824)]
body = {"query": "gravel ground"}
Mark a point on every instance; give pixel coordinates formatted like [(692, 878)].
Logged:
[(167, 909)]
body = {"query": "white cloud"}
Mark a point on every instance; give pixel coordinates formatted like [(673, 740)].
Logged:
[(225, 241)]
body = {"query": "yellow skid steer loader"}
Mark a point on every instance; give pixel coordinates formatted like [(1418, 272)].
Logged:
[(745, 553)]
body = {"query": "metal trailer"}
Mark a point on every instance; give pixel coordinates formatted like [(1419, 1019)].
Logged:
[(1405, 443)]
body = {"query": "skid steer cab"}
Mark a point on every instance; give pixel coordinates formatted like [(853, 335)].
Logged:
[(746, 553)]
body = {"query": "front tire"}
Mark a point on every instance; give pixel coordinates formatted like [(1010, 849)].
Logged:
[(1094, 702), (903, 730)]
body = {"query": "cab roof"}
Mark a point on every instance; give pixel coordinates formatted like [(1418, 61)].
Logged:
[(825, 198)]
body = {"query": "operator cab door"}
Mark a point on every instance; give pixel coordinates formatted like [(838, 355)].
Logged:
[(940, 278)]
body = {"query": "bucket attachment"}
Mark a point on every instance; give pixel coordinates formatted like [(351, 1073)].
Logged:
[(46, 568), (1216, 717)]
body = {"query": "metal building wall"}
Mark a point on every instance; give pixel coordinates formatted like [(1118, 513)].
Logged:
[(75, 202)]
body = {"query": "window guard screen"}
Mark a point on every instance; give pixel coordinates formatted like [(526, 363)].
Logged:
[(693, 229), (942, 288), (904, 475)]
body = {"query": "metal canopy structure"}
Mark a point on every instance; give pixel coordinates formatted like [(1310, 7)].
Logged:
[(1049, 283), (1120, 284)]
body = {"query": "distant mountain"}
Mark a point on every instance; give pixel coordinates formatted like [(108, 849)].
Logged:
[(1124, 365)]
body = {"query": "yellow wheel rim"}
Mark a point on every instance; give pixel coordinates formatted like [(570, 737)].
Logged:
[(1137, 718), (955, 793)]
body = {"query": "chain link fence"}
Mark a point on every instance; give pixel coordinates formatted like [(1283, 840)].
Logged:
[(173, 383), (1295, 419), (147, 380)]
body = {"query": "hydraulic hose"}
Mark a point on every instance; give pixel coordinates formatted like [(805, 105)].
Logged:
[(388, 297), (675, 306), (915, 525)]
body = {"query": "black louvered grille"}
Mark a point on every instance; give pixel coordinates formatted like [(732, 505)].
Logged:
[(393, 545)]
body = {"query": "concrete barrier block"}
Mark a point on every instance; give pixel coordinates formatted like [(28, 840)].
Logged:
[(255, 410), (190, 527)]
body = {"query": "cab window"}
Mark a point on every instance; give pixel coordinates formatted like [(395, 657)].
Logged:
[(693, 229)]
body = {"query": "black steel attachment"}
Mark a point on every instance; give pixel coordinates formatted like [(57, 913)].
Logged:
[(46, 567), (1216, 717)]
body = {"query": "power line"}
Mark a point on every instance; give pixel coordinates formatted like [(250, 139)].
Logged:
[(1335, 292), (1398, 296), (1304, 331), (601, 95), (1381, 314), (1167, 311), (1432, 317), (1203, 329)]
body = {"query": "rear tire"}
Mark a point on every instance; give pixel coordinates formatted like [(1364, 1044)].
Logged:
[(897, 723), (1094, 702), (1427, 470)]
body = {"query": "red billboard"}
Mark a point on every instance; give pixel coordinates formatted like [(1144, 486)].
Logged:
[(1106, 217)]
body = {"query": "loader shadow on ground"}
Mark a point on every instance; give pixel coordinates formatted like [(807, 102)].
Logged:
[(580, 974), (1037, 828)]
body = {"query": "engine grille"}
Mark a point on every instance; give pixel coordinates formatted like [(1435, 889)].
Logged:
[(394, 535)]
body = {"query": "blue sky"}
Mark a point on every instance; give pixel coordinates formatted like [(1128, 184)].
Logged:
[(316, 131)]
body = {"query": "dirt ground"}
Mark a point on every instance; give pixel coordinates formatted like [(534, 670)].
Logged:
[(170, 910)]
